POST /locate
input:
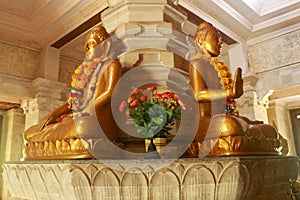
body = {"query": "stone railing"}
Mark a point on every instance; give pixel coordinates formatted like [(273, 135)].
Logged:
[(261, 177)]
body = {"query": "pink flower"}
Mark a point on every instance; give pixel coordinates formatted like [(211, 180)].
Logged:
[(122, 106), (130, 99), (182, 103), (136, 91), (152, 88)]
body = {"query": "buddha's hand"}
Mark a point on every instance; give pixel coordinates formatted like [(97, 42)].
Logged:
[(237, 86)]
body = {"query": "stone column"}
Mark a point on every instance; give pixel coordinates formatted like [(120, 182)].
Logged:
[(238, 58), (247, 102), (50, 63), (278, 115), (13, 134), (11, 141), (148, 33), (48, 96)]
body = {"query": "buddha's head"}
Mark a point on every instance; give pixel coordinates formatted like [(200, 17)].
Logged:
[(96, 36), (208, 38)]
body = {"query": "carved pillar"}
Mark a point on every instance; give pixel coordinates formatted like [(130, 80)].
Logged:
[(47, 97), (238, 58), (278, 115), (246, 103), (12, 135), (11, 141), (142, 26), (149, 32), (50, 63)]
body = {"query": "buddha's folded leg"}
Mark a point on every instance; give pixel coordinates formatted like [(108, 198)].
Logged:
[(31, 133)]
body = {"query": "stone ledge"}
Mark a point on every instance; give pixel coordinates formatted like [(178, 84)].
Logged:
[(253, 177)]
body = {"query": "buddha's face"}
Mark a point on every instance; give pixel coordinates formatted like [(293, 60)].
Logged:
[(213, 42), (209, 39), (90, 46)]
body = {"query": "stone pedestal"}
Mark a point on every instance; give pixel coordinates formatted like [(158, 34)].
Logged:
[(260, 177)]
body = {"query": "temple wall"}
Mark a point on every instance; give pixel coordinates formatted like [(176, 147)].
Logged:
[(276, 62), (19, 61), (20, 83), (66, 70)]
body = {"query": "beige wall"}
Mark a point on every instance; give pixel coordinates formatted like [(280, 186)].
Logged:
[(276, 62)]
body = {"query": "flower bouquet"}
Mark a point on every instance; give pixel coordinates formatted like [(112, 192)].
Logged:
[(154, 114)]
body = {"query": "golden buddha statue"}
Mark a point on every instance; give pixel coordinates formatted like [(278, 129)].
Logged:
[(222, 131), (72, 130)]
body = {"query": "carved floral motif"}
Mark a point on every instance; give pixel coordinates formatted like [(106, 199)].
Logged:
[(214, 178)]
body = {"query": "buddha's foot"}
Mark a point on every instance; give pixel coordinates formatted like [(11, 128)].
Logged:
[(236, 146), (71, 149)]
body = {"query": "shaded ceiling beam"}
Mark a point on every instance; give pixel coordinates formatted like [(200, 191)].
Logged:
[(96, 19), (7, 106)]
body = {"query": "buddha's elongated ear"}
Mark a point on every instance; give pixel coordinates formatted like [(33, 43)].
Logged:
[(107, 47)]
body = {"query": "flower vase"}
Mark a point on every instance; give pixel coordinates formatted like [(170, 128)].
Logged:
[(152, 152), (159, 144)]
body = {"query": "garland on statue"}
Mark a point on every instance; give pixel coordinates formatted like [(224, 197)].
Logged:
[(223, 70), (86, 74), (226, 79)]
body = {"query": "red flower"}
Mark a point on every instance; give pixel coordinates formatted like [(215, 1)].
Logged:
[(136, 91), (230, 101), (134, 102), (167, 95), (143, 98), (152, 88), (156, 96)]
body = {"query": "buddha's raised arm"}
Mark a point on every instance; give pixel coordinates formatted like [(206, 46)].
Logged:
[(205, 91)]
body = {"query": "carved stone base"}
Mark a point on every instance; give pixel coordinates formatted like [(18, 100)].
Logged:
[(259, 177)]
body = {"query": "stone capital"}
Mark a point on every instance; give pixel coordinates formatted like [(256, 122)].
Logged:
[(47, 88)]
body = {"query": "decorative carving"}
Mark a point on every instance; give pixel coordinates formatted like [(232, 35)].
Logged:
[(275, 53), (25, 63), (244, 178)]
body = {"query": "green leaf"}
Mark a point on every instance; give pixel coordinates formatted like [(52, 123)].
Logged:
[(157, 120)]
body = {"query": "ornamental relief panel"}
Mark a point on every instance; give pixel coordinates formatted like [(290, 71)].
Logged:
[(66, 69), (19, 61), (208, 179), (275, 53)]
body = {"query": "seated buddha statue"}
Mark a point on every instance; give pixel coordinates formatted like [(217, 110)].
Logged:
[(72, 130), (221, 131)]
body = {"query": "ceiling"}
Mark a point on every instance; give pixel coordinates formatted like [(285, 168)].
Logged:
[(63, 23)]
